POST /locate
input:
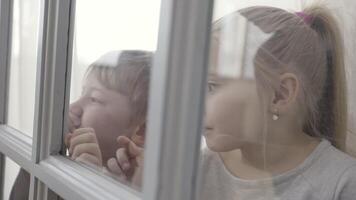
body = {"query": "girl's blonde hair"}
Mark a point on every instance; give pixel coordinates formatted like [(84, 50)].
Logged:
[(128, 73), (308, 44)]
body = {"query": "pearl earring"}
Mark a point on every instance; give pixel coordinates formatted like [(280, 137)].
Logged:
[(275, 115)]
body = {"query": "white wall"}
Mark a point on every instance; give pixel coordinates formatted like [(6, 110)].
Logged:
[(347, 18), (106, 25), (222, 8)]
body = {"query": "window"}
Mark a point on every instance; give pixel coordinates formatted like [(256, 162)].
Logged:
[(23, 64), (44, 45), (73, 49)]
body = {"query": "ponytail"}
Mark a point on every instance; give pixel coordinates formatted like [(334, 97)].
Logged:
[(332, 107), (309, 44)]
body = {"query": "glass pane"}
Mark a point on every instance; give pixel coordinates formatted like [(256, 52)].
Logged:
[(23, 65), (113, 52), (351, 137), (275, 111), (16, 182)]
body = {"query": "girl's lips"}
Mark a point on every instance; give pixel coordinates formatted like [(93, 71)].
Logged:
[(208, 130), (207, 127)]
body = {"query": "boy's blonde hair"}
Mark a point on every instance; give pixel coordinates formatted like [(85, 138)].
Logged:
[(126, 72)]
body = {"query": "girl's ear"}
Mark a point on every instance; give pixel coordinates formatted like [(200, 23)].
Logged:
[(286, 94), (139, 134)]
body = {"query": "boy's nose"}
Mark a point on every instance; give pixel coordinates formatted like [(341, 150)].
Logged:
[(76, 109)]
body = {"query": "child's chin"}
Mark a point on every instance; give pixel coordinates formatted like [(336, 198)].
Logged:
[(221, 144)]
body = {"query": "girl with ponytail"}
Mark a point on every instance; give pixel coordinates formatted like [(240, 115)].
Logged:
[(279, 135)]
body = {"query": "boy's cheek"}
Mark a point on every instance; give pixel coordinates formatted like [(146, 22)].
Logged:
[(90, 118)]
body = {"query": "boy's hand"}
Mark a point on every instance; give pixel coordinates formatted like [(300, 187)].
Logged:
[(83, 146), (128, 163)]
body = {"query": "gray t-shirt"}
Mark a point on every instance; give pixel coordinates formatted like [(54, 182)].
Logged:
[(326, 174)]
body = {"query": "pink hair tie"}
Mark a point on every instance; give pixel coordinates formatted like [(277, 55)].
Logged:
[(306, 18)]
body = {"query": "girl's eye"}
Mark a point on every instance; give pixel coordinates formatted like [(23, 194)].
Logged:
[(212, 87)]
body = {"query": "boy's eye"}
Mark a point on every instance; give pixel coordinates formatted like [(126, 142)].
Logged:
[(94, 100)]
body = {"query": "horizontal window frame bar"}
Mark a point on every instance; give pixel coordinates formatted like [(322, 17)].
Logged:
[(16, 145), (69, 179), (5, 53)]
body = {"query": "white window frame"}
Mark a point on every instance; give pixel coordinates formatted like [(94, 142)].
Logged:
[(175, 108)]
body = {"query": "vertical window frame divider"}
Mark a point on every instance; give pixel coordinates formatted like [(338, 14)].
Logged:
[(5, 53), (177, 99), (52, 67), (2, 174), (5, 38)]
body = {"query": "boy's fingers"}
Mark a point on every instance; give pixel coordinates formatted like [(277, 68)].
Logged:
[(137, 153), (80, 131), (140, 160), (123, 141), (90, 148), (89, 159), (123, 159), (134, 150), (80, 139), (114, 167)]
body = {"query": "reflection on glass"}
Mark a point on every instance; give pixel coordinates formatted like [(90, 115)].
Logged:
[(111, 112), (109, 86), (23, 65), (276, 108), (16, 183)]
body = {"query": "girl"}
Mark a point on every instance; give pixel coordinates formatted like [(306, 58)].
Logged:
[(277, 144), (275, 137)]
